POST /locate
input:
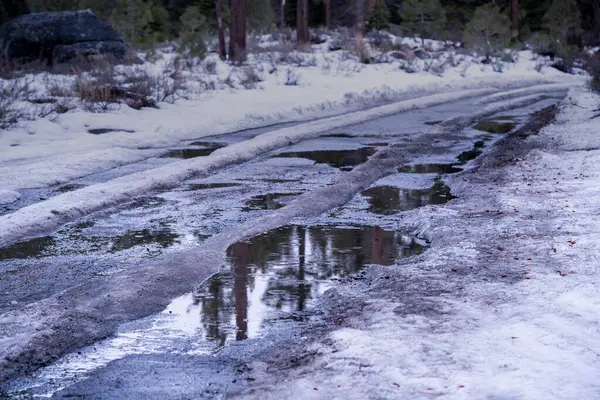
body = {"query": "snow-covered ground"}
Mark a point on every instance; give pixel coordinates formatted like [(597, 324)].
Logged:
[(535, 337), (505, 304)]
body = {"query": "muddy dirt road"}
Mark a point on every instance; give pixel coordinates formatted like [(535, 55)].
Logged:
[(124, 303)]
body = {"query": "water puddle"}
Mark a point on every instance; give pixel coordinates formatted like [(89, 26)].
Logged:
[(102, 131), (162, 238), (286, 270), (378, 144), (430, 169), (469, 155), (212, 145), (497, 125), (37, 247), (387, 200), (342, 159), (188, 153), (339, 135), (144, 203), (266, 201), (275, 180), (207, 186), (69, 188), (75, 242)]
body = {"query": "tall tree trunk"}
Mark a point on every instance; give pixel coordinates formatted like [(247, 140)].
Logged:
[(596, 5), (221, 32), (360, 15), (327, 4), (237, 32), (10, 9), (515, 21), (302, 34), (282, 15)]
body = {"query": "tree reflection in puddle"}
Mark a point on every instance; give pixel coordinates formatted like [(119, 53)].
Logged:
[(286, 270)]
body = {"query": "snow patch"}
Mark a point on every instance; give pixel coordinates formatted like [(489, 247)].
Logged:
[(9, 196)]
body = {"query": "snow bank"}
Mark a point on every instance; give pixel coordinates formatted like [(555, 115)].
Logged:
[(50, 151), (9, 196), (509, 94)]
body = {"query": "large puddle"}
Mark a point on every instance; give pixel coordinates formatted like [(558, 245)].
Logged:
[(343, 159), (286, 270)]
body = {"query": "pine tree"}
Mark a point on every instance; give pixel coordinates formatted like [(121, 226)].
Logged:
[(379, 16), (132, 19), (488, 32), (193, 30), (562, 22), (10, 9), (425, 18), (260, 16)]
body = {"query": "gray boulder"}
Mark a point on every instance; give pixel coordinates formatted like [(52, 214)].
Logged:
[(60, 37)]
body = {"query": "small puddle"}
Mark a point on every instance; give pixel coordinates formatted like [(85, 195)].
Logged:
[(188, 153), (69, 187), (387, 200), (102, 131), (76, 242), (286, 270), (207, 186), (275, 180), (495, 125), (342, 159), (339, 135), (162, 238), (469, 155), (378, 144), (145, 202), (266, 201), (430, 169), (38, 247), (212, 145)]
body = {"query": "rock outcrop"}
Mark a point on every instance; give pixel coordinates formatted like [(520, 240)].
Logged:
[(60, 37)]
